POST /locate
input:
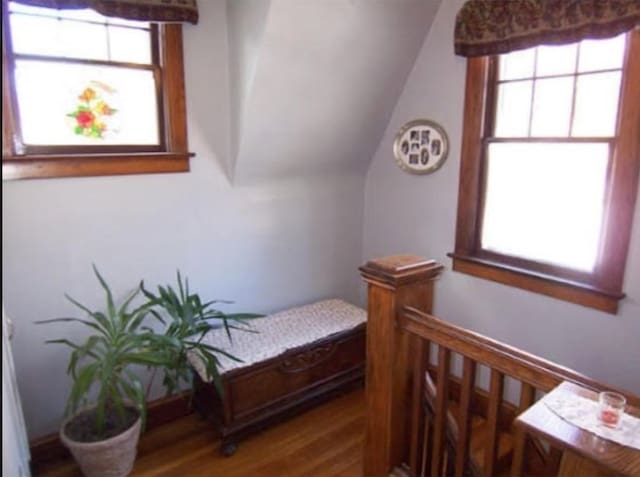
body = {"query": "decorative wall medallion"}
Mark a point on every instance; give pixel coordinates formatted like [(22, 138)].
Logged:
[(421, 146)]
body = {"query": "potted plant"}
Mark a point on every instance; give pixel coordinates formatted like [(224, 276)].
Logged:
[(106, 408)]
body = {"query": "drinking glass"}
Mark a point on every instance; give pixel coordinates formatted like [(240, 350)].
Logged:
[(611, 408)]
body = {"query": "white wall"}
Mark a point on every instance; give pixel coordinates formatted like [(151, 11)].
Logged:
[(317, 93), (246, 22), (267, 246), (416, 214)]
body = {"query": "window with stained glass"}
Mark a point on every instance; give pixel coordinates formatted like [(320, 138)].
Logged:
[(90, 95), (84, 79)]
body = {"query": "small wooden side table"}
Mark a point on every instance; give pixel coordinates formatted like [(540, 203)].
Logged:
[(584, 453)]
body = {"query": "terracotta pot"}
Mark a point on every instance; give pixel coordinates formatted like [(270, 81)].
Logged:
[(113, 457)]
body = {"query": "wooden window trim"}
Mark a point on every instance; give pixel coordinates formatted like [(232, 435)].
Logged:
[(49, 163), (601, 289)]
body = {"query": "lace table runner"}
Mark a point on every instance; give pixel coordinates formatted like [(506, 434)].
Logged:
[(583, 412)]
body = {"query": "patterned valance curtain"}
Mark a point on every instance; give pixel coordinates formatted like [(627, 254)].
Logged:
[(143, 10), (490, 27)]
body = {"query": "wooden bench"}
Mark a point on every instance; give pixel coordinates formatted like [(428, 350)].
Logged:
[(297, 358)]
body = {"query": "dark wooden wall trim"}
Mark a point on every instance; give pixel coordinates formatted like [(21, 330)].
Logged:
[(48, 449)]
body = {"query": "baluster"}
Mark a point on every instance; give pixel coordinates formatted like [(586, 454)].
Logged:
[(553, 460), (427, 446), (464, 418), (495, 400), (421, 356), (442, 398), (526, 400)]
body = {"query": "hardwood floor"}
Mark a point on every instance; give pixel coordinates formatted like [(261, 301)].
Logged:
[(324, 442)]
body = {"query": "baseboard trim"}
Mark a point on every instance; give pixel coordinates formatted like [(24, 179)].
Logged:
[(48, 449)]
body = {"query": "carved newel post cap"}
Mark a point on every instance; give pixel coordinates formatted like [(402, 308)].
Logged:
[(400, 269)]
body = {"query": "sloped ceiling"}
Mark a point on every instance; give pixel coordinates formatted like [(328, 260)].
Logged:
[(314, 81)]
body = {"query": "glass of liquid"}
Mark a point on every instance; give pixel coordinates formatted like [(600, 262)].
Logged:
[(611, 408)]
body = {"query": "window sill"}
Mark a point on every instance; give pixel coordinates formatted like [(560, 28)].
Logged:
[(84, 165), (567, 290)]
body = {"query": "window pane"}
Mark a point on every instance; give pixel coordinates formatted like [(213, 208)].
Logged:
[(130, 45), (516, 65), (50, 35), (89, 15), (596, 107), (86, 105), (83, 40), (514, 105), (19, 7), (552, 107), (130, 23), (545, 201), (556, 60), (24, 41), (85, 14), (601, 54), (64, 38)]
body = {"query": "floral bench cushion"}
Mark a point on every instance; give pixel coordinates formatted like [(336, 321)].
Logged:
[(275, 334)]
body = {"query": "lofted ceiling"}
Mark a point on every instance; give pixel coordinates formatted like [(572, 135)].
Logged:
[(314, 82)]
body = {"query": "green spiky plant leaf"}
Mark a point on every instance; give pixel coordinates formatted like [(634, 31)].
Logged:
[(101, 363), (188, 320)]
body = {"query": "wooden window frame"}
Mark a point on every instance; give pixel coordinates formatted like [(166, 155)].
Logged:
[(48, 162), (601, 289)]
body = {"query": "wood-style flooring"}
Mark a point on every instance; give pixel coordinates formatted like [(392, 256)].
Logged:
[(323, 442)]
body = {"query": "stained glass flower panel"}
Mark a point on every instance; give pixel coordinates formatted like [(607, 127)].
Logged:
[(86, 104)]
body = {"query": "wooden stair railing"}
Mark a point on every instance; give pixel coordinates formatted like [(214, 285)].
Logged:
[(452, 436), (432, 418)]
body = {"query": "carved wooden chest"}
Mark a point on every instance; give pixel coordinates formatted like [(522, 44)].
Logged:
[(265, 392)]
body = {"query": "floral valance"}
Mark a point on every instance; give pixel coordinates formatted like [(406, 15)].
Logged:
[(489, 27), (143, 10)]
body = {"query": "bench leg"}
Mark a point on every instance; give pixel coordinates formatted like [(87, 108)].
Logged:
[(201, 412), (228, 448)]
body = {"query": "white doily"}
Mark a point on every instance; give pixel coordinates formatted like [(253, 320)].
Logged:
[(280, 332), (583, 412)]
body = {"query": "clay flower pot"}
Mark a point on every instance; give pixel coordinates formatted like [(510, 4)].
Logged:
[(113, 457)]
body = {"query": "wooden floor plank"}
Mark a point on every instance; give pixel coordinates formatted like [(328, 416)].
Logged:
[(275, 451), (325, 441), (345, 462), (318, 455)]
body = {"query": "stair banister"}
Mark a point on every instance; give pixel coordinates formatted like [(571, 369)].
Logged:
[(393, 283)]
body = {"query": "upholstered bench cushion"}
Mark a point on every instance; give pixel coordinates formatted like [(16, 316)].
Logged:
[(280, 332)]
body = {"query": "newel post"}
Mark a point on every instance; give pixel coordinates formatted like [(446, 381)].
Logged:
[(393, 282)]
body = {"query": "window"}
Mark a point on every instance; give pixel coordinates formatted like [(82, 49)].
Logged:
[(549, 172), (84, 94)]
